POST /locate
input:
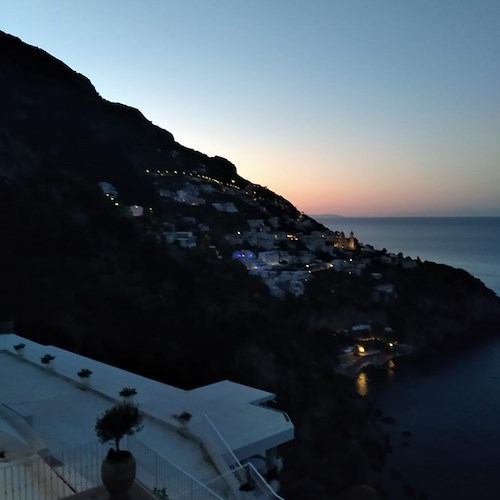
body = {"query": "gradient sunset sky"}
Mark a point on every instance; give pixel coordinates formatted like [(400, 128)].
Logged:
[(359, 108)]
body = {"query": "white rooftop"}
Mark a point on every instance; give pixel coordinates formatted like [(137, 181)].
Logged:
[(45, 407)]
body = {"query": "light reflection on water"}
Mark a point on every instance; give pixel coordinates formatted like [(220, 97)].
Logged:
[(362, 383), (391, 367)]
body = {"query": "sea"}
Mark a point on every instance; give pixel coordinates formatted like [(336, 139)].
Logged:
[(446, 430)]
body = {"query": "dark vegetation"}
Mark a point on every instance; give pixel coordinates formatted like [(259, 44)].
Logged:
[(79, 273)]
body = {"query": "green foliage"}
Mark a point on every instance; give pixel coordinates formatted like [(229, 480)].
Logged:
[(118, 421)]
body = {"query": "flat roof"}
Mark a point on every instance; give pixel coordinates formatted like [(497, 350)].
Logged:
[(64, 415)]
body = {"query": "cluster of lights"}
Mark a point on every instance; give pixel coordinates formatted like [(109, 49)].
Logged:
[(193, 174), (112, 198), (361, 349), (232, 184), (117, 204)]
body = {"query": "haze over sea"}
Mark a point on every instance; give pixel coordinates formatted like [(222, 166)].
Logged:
[(450, 404)]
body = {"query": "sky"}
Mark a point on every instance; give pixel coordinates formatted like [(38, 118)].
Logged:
[(351, 107)]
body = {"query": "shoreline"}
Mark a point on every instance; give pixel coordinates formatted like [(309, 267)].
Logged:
[(352, 368)]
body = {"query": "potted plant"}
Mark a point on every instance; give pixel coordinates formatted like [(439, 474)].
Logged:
[(84, 374), (46, 359), (118, 468), (185, 417), (128, 392), (19, 348)]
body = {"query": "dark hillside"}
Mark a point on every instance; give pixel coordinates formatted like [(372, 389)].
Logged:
[(57, 114)]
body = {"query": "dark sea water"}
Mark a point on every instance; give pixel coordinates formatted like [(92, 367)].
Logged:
[(450, 404)]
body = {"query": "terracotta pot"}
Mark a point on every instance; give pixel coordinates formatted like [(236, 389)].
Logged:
[(118, 474)]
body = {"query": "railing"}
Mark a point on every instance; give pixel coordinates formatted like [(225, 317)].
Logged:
[(221, 454), (239, 477), (19, 424), (165, 479), (55, 476), (261, 485), (231, 475), (253, 485), (284, 413), (52, 476)]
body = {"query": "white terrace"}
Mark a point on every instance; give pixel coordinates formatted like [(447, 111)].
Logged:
[(44, 412)]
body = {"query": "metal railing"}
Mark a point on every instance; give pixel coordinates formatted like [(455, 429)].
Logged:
[(55, 476), (284, 413), (19, 424), (222, 456), (261, 485), (218, 444), (165, 479), (253, 485), (52, 476), (240, 478)]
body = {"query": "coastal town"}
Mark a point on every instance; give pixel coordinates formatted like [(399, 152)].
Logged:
[(285, 252)]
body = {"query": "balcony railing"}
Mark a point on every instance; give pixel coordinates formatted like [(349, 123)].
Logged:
[(253, 484), (52, 476), (165, 479), (55, 476), (239, 478)]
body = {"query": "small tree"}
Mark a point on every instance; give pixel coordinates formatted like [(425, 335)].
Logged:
[(120, 420)]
